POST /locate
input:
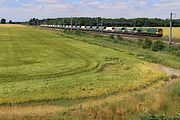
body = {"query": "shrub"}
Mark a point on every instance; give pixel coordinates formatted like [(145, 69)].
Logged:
[(78, 32), (140, 41), (66, 30), (158, 45), (98, 36), (111, 36), (147, 43), (152, 116), (171, 48), (116, 41), (119, 37)]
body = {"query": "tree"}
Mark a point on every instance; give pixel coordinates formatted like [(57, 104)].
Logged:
[(118, 22), (34, 21), (3, 21), (10, 22)]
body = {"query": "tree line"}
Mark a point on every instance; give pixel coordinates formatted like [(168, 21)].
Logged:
[(4, 21), (88, 21)]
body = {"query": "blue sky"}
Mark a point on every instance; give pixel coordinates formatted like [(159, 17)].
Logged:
[(22, 10)]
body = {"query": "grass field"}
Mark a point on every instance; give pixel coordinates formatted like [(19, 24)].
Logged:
[(43, 66), (39, 66)]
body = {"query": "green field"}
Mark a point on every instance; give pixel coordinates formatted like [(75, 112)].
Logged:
[(38, 66)]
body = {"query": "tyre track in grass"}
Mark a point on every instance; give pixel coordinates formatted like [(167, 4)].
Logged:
[(72, 51), (89, 64), (69, 102)]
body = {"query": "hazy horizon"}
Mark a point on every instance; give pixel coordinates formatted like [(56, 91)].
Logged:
[(23, 10)]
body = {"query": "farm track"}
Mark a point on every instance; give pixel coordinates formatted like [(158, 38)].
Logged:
[(170, 71)]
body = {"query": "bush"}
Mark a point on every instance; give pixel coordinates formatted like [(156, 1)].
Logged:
[(147, 43), (66, 30), (158, 45), (140, 41), (116, 41), (98, 36), (119, 37), (111, 36), (171, 48), (152, 116)]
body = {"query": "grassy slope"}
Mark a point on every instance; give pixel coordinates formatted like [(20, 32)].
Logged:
[(162, 98), (133, 48), (37, 65)]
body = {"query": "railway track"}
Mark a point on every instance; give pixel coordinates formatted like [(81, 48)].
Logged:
[(130, 36)]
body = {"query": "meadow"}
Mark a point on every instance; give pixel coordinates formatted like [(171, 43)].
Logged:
[(44, 67)]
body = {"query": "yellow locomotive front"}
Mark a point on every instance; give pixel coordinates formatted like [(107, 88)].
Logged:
[(159, 32)]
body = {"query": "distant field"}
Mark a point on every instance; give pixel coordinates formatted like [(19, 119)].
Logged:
[(176, 32)]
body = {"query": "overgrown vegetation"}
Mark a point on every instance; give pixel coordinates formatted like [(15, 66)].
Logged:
[(147, 43), (153, 104), (158, 45), (153, 116)]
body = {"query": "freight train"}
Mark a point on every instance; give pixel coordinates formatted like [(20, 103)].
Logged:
[(142, 31)]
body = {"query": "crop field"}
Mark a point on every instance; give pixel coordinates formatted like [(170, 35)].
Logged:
[(39, 66), (176, 32)]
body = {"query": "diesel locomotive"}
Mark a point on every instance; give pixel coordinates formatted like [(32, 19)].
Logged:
[(142, 31)]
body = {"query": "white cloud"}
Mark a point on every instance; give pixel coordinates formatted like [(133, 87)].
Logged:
[(168, 5), (102, 8)]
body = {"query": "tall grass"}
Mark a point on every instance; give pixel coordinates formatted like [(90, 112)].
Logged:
[(40, 67)]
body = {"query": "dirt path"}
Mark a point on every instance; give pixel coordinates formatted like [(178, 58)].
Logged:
[(170, 71)]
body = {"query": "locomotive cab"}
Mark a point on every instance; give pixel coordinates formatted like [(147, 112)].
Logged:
[(159, 32)]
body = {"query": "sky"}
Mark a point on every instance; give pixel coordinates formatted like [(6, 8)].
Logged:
[(23, 10)]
